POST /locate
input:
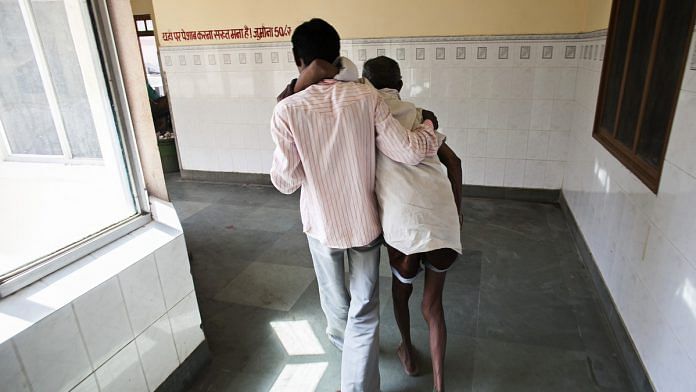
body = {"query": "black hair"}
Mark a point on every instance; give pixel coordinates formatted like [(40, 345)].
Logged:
[(315, 39), (382, 72)]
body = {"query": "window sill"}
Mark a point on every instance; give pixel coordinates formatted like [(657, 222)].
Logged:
[(33, 303)]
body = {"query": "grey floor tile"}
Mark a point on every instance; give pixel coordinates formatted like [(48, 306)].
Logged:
[(278, 200), (528, 317), (272, 286), (290, 248), (185, 209), (504, 366), (523, 269), (248, 195), (278, 220), (521, 311), (222, 245), (196, 191)]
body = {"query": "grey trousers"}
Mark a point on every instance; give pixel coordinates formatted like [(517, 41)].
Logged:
[(352, 318)]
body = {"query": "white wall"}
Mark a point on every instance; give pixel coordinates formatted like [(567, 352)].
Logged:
[(121, 319), (644, 244), (508, 118)]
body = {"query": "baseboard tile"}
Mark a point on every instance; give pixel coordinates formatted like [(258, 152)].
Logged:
[(637, 373)]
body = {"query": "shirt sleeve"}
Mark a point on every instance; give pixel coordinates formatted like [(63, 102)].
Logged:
[(287, 173), (402, 145)]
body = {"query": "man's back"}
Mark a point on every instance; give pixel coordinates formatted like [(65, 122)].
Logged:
[(333, 129), (326, 138)]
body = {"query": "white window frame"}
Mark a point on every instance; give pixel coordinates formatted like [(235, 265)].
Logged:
[(28, 274)]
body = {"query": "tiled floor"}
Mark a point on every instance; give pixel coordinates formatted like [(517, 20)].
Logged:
[(521, 313)]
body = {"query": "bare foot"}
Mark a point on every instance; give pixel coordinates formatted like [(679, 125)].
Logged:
[(408, 360)]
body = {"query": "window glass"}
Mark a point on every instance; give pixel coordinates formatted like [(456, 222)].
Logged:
[(637, 70), (54, 105), (622, 31), (24, 111), (64, 68)]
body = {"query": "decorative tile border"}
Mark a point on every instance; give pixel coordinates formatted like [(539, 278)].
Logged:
[(570, 52), (562, 52), (547, 52), (401, 54), (410, 40), (525, 52)]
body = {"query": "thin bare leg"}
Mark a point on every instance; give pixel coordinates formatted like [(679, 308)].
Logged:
[(401, 293), (435, 317)]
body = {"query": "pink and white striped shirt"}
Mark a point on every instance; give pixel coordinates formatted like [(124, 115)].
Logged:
[(325, 140)]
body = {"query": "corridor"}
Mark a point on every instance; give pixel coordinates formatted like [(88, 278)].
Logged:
[(521, 311)]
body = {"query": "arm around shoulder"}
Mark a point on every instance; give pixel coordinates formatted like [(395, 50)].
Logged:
[(400, 144)]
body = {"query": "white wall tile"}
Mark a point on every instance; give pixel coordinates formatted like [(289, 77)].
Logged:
[(546, 81), (682, 138), (122, 372), (558, 146), (474, 171), (553, 176), (477, 113), (538, 145), (643, 243), (157, 352), (562, 115), (496, 142), (103, 321), (514, 173), (516, 147), (481, 82), (541, 114), (174, 271), (12, 378), (534, 174), (186, 326), (473, 94), (674, 210), (566, 85), (495, 172), (143, 294), (53, 353), (476, 142)]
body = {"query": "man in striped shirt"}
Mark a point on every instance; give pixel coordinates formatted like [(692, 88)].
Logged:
[(326, 138)]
